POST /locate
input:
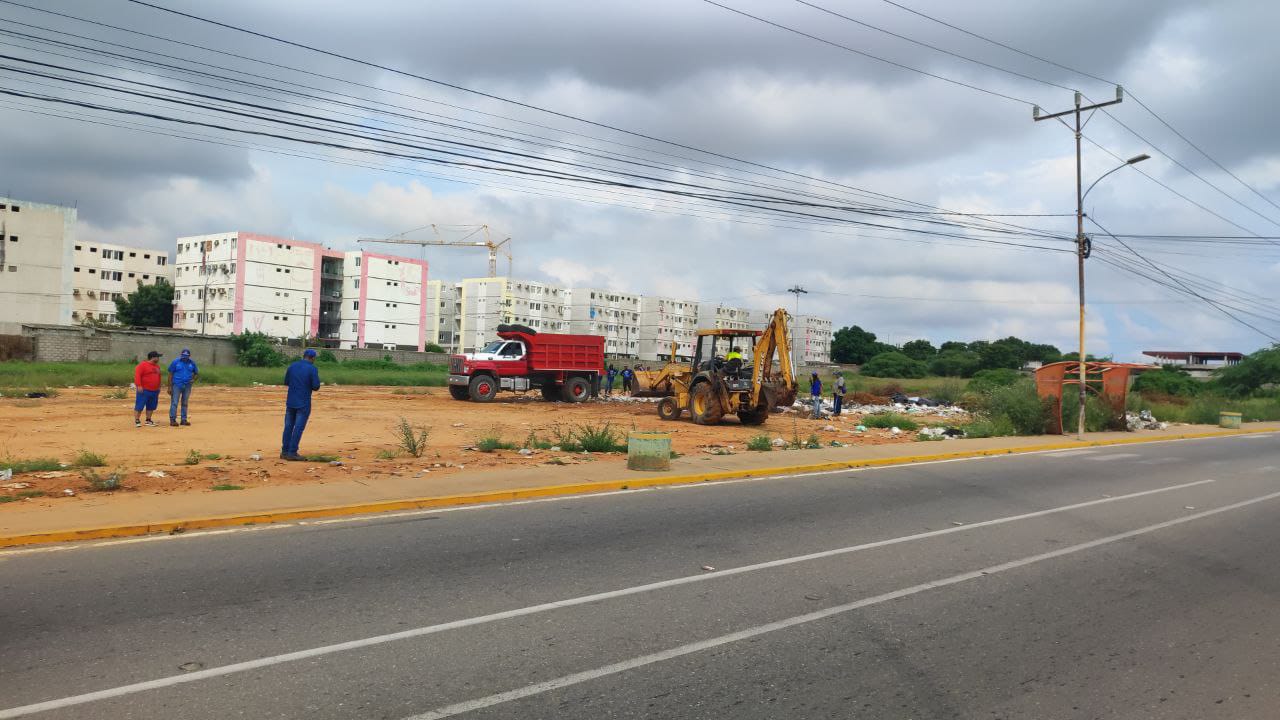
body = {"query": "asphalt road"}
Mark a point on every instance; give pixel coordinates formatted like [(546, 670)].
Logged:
[(1122, 582)]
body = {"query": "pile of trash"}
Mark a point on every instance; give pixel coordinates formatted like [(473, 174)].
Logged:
[(941, 433), (907, 406), (1143, 420)]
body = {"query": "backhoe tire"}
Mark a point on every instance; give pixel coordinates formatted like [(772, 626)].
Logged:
[(459, 392), (704, 406), (483, 388), (668, 409), (754, 417), (576, 389), (552, 393)]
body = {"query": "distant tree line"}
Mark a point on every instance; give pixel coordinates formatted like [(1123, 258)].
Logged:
[(953, 358)]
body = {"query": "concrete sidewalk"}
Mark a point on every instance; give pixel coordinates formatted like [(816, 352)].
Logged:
[(124, 514)]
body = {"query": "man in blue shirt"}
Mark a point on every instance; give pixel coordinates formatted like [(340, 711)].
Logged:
[(610, 376), (302, 378), (182, 374), (815, 394)]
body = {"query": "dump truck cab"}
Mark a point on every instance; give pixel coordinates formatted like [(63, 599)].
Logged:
[(561, 367)]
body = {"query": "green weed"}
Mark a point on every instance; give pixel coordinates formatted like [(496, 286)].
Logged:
[(30, 466), (227, 486), (599, 438), (489, 443), (103, 483), (890, 420), (410, 438), (813, 442), (193, 458), (387, 455), (760, 443), (320, 458), (30, 493), (89, 459)]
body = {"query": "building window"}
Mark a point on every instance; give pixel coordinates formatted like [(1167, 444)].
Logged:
[(134, 254), (15, 208), (78, 270), (148, 257), (358, 265), (94, 250), (353, 329), (1086, 377), (355, 305), (148, 277), (94, 272), (161, 260), (358, 287), (13, 268)]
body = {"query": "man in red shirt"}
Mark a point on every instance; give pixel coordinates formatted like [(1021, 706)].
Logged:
[(146, 380)]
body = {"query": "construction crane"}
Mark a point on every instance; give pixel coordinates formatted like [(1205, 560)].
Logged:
[(503, 246)]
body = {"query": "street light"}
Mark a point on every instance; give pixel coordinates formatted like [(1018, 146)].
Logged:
[(1131, 161)]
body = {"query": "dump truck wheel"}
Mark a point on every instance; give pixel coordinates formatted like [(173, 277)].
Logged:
[(551, 393), (754, 417), (704, 406), (576, 390), (459, 392), (668, 409), (483, 388)]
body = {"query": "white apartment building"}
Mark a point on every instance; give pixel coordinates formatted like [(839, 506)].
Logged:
[(236, 282), (102, 272), (665, 320), (36, 264), (811, 337), (485, 303), (441, 301), (714, 316), (612, 315)]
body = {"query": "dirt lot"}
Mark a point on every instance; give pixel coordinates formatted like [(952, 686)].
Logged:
[(354, 424)]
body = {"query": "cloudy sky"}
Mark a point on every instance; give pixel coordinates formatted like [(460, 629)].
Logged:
[(744, 106)]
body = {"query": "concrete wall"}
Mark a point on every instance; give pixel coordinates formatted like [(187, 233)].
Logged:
[(84, 344)]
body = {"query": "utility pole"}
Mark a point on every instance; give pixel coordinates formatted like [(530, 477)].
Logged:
[(797, 290), (1082, 242)]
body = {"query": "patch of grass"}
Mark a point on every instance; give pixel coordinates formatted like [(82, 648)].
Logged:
[(23, 377), (87, 458), (117, 394), (890, 420), (489, 443), (212, 456), (8, 498), (533, 442), (760, 443), (193, 458), (410, 391), (983, 427), (599, 438), (387, 455), (30, 493), (556, 461), (320, 458), (813, 442), (795, 443), (410, 438), (30, 466), (227, 486), (103, 483)]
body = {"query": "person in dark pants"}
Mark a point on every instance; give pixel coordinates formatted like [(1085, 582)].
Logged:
[(182, 374), (815, 395), (628, 380), (837, 393), (302, 379), (609, 377)]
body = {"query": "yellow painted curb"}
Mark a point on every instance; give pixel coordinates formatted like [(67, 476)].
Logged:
[(180, 526)]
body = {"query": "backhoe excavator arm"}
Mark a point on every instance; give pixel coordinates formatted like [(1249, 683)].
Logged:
[(776, 338)]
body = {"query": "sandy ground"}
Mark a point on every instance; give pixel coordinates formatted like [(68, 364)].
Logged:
[(354, 424)]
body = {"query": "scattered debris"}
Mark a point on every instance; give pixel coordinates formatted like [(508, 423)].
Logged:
[(941, 433), (898, 431), (53, 474), (778, 442), (157, 474), (1143, 420), (338, 463), (708, 568), (258, 456), (459, 425), (525, 451), (16, 485), (6, 474), (819, 597), (863, 428), (69, 492)]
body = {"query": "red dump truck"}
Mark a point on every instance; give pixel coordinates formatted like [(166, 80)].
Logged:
[(563, 367)]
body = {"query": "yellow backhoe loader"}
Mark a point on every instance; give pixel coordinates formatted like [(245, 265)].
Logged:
[(731, 374)]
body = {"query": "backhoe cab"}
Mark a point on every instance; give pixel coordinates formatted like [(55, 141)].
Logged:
[(732, 374)]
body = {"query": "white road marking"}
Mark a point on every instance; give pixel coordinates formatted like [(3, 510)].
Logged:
[(1115, 456), (643, 660), (545, 607), (1070, 453)]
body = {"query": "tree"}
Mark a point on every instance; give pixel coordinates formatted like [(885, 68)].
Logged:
[(148, 306), (999, 355), (1168, 380), (894, 365), (953, 345), (254, 349), (919, 350), (955, 363), (432, 348), (1256, 370), (855, 345)]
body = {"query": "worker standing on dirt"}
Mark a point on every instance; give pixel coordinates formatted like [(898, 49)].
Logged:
[(815, 394), (837, 393), (146, 380), (302, 378), (610, 376), (182, 374), (627, 379)]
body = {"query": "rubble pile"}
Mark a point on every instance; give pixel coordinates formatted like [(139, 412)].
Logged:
[(1143, 420)]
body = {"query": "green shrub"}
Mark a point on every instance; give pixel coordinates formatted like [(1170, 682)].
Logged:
[(1098, 416), (1168, 380), (254, 349), (599, 438), (949, 391), (813, 442), (89, 459), (983, 427), (489, 443), (28, 466), (955, 363), (1014, 406), (227, 486), (409, 438), (760, 443), (104, 483), (326, 356), (890, 420), (193, 458), (1258, 369), (895, 365), (320, 458), (987, 380)]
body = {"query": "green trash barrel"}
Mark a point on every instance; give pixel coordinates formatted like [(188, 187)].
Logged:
[(648, 451), (1229, 420)]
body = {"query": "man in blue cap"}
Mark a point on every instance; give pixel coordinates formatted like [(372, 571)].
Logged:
[(182, 374), (302, 379)]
